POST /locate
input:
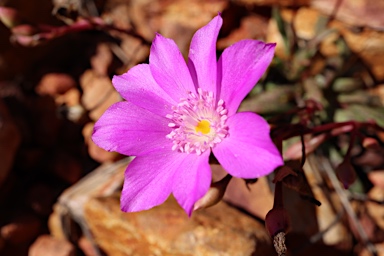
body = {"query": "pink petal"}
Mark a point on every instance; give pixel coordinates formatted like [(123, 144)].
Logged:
[(150, 179), (248, 151), (192, 180), (139, 87), (240, 67), (131, 130), (169, 68), (202, 55)]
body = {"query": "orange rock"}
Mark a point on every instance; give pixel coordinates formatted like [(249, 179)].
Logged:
[(102, 60), (98, 93), (368, 44), (55, 224), (274, 2), (365, 252), (377, 178), (87, 247), (69, 98), (167, 230), (46, 245), (247, 30), (375, 210), (351, 12), (305, 22), (55, 83)]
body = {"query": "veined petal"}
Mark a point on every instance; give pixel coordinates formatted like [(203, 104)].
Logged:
[(248, 151), (169, 68), (239, 68), (202, 61), (192, 180), (131, 130), (150, 179), (139, 87)]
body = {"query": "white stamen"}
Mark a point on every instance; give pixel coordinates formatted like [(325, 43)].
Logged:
[(190, 133)]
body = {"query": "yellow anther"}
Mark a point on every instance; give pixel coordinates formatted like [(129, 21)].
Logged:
[(203, 126)]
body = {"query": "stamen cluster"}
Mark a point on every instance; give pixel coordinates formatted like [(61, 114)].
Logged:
[(188, 116)]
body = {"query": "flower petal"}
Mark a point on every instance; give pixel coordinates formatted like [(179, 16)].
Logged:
[(149, 180), (192, 180), (202, 61), (239, 68), (131, 130), (139, 87), (169, 68), (248, 151)]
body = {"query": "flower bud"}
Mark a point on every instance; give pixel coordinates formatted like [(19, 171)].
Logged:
[(9, 17), (277, 221), (214, 194), (346, 173)]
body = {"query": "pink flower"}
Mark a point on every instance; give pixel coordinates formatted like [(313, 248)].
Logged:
[(175, 114)]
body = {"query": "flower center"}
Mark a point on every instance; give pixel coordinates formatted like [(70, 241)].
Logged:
[(204, 126), (198, 123)]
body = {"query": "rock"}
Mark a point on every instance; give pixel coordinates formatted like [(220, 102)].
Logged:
[(351, 12), (377, 178), (174, 19), (167, 230), (70, 98), (55, 224), (98, 93), (273, 2), (365, 252), (131, 52), (21, 229), (257, 200), (46, 245), (102, 60), (87, 247), (246, 31), (55, 84), (368, 44), (305, 22), (68, 210), (181, 19), (376, 211), (69, 105), (91, 203)]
